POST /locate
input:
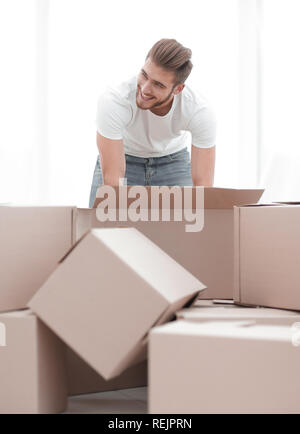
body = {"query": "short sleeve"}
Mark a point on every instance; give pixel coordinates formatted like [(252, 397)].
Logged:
[(203, 128), (113, 115)]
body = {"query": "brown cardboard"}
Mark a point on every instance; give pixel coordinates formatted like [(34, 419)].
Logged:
[(83, 379), (33, 239), (32, 366), (201, 253), (205, 303), (267, 256), (238, 313), (214, 197), (108, 292), (223, 367)]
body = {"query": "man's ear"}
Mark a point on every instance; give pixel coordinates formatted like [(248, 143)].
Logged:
[(179, 88)]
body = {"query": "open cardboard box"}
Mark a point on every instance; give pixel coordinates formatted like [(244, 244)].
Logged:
[(106, 294), (207, 254), (267, 255)]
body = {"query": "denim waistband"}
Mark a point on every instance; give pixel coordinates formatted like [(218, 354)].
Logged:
[(155, 160)]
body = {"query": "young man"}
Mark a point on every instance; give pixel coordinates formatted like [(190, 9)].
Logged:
[(143, 125)]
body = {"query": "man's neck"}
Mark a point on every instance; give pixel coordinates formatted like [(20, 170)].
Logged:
[(162, 111)]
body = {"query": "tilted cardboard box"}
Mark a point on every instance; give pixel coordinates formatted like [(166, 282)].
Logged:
[(223, 367), (33, 239), (106, 294), (267, 256), (207, 254), (32, 366)]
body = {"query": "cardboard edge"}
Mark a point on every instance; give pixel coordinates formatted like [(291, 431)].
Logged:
[(214, 197), (142, 345), (72, 247), (236, 255), (262, 205), (82, 215), (73, 225), (292, 203), (259, 205)]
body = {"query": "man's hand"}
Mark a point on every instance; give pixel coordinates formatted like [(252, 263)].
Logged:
[(112, 160), (203, 166)]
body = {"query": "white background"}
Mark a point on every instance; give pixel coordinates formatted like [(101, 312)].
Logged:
[(57, 56)]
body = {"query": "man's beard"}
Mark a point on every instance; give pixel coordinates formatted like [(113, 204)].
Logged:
[(157, 104)]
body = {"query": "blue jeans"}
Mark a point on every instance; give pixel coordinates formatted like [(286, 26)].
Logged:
[(173, 169)]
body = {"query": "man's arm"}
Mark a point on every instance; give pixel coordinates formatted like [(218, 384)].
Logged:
[(112, 160), (203, 166)]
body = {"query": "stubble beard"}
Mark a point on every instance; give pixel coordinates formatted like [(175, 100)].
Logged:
[(157, 104)]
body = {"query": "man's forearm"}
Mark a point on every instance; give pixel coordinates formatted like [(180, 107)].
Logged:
[(113, 178), (203, 166), (112, 160), (206, 179), (112, 173)]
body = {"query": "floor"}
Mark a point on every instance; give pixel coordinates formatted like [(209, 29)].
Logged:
[(131, 401)]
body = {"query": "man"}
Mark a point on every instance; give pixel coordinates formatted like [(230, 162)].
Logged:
[(143, 125)]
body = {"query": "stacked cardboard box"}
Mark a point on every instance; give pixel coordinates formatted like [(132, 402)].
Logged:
[(32, 366), (267, 255), (37, 245), (223, 367), (33, 240), (95, 294), (32, 361), (249, 355)]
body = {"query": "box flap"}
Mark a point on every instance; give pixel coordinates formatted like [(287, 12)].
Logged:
[(214, 197), (287, 203), (260, 205), (227, 198)]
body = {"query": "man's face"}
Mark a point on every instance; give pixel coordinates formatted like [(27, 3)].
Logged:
[(155, 87)]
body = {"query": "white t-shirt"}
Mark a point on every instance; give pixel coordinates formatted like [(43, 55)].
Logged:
[(147, 135)]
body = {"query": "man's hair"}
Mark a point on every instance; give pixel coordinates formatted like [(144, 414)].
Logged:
[(172, 56)]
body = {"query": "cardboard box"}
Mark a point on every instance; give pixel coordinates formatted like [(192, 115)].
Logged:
[(82, 379), (106, 294), (267, 253), (238, 313), (33, 239), (223, 367), (208, 303), (32, 366), (208, 254)]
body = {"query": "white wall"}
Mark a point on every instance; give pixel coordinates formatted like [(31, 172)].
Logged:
[(280, 100), (60, 54)]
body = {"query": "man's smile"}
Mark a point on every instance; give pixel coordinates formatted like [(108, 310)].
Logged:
[(145, 98)]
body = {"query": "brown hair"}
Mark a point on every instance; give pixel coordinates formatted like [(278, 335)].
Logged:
[(172, 56)]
